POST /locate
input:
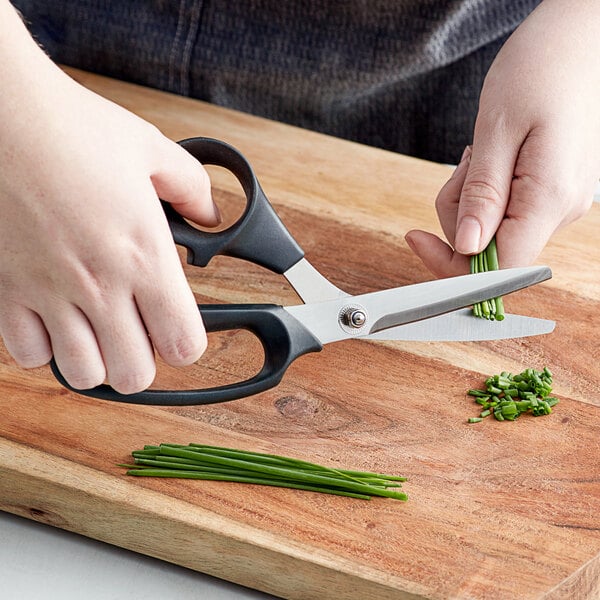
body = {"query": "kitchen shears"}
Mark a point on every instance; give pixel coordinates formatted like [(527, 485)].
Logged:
[(431, 311)]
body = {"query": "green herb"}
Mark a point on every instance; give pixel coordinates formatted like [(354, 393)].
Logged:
[(508, 396), (200, 461), (487, 260)]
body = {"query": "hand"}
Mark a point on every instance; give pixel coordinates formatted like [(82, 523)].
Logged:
[(89, 272), (535, 159)]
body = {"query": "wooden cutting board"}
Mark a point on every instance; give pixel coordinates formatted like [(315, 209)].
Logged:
[(495, 510)]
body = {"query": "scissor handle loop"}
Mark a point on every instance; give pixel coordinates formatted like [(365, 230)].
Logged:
[(258, 235), (283, 339)]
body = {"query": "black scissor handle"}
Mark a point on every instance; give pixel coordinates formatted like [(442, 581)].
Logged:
[(258, 236), (283, 338)]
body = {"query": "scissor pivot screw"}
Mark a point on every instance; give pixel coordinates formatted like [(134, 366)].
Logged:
[(357, 318), (352, 319)]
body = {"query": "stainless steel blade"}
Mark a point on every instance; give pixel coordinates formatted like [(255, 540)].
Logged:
[(461, 326), (331, 320), (310, 285), (433, 298)]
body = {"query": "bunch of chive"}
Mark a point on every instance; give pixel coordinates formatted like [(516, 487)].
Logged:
[(508, 396), (200, 461), (487, 260)]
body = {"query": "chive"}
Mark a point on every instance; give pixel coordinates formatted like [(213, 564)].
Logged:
[(487, 260), (295, 461), (241, 479), (508, 396), (478, 393), (475, 420), (200, 461), (250, 462)]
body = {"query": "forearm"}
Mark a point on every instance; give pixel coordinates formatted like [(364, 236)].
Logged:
[(585, 13), (25, 71), (560, 33)]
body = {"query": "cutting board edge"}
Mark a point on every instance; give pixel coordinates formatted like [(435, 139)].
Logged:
[(288, 570), (584, 583)]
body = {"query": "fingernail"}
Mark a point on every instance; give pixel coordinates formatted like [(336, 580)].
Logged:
[(468, 236), (466, 153), (408, 239), (465, 160)]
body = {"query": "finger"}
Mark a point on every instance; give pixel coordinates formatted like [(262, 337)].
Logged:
[(170, 312), (25, 336), (124, 343), (436, 255), (538, 202), (547, 192), (486, 189), (182, 181), (448, 197), (516, 248), (527, 226), (75, 347)]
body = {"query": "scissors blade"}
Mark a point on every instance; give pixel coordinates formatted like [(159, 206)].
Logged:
[(389, 308), (310, 285), (424, 300), (460, 326)]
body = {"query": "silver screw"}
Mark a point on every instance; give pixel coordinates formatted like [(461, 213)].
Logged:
[(357, 318), (352, 319)]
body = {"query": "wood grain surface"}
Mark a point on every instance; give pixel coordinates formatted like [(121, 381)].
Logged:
[(495, 510)]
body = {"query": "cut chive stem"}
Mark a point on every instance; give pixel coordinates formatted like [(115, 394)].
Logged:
[(200, 461), (487, 260), (282, 460), (507, 396), (253, 480), (249, 463)]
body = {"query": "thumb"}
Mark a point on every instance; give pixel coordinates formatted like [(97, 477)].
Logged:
[(183, 182), (486, 190)]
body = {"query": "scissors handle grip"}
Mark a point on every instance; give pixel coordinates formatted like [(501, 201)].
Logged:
[(258, 236), (283, 338)]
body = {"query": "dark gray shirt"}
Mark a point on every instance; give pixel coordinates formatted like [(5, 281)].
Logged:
[(404, 75)]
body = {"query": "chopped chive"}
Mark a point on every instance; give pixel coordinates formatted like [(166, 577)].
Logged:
[(508, 396), (478, 393)]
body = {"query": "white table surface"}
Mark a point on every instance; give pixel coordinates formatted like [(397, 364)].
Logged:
[(40, 562)]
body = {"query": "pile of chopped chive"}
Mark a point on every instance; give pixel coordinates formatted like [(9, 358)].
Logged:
[(508, 396), (487, 260), (199, 461)]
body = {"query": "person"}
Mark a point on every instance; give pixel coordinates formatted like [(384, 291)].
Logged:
[(88, 270)]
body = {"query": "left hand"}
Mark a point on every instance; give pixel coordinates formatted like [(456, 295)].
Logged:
[(535, 159)]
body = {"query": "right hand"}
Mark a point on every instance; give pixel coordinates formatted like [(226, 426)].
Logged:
[(89, 272)]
